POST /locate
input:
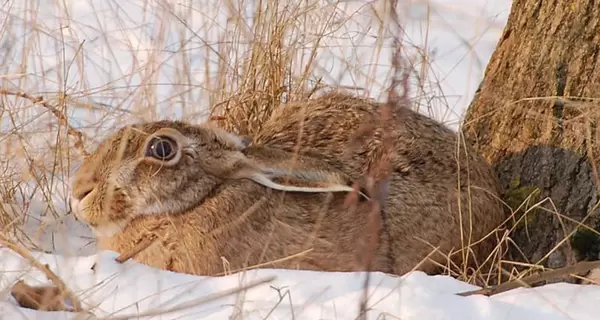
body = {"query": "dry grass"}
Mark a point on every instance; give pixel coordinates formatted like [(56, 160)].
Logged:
[(61, 90)]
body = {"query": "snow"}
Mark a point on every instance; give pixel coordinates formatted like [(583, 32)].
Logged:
[(128, 289), (460, 35)]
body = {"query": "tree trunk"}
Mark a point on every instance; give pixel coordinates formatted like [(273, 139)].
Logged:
[(534, 118)]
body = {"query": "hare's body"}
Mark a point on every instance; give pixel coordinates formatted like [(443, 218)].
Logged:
[(232, 223), (245, 224), (425, 202), (217, 204)]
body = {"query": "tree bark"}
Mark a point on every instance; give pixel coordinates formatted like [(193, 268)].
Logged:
[(534, 118)]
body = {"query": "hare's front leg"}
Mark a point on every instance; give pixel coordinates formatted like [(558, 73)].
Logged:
[(150, 245)]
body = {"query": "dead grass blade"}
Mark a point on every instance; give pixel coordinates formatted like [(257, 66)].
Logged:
[(377, 180), (580, 267), (195, 302), (59, 114)]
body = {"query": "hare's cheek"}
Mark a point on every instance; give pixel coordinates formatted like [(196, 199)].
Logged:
[(120, 207), (88, 213)]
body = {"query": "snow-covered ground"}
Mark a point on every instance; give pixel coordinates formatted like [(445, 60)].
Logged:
[(458, 37), (129, 289)]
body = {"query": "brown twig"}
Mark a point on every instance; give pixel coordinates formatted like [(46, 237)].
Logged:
[(264, 264), (583, 266), (61, 286), (62, 118), (143, 245), (377, 179), (195, 302)]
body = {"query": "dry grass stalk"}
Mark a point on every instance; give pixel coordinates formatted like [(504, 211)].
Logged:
[(377, 182), (578, 268), (267, 78), (141, 246), (145, 243), (195, 302), (264, 264), (59, 114)]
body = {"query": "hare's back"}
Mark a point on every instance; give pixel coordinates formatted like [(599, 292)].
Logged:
[(344, 131), (434, 178)]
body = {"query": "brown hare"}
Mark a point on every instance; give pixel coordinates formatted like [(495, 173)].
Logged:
[(218, 202)]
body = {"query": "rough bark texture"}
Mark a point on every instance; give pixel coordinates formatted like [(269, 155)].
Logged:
[(534, 118)]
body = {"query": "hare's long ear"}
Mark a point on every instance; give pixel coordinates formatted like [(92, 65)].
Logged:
[(296, 179), (279, 178)]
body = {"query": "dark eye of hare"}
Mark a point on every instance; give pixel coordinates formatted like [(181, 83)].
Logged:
[(161, 148)]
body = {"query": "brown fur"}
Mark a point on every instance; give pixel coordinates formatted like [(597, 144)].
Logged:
[(423, 198), (208, 210)]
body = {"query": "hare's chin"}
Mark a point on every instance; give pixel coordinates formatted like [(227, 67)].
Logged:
[(75, 207), (109, 230)]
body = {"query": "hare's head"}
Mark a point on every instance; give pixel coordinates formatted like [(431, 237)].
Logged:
[(170, 167)]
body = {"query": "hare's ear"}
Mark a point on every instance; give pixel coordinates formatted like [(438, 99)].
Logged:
[(296, 180), (283, 179)]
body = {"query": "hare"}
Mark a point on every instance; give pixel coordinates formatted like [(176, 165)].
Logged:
[(220, 202), (215, 203)]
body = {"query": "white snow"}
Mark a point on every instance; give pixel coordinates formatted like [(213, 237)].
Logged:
[(120, 36), (129, 289)]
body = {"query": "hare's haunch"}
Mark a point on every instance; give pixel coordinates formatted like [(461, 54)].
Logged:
[(214, 199)]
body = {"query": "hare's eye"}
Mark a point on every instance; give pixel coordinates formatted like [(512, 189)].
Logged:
[(161, 148)]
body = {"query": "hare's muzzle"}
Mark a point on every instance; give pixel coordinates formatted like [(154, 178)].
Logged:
[(77, 204)]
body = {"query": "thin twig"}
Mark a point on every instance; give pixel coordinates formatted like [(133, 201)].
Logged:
[(260, 265), (377, 179), (143, 245), (193, 303), (583, 266), (62, 118)]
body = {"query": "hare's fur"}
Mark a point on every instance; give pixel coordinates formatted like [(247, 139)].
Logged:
[(437, 178), (220, 203)]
